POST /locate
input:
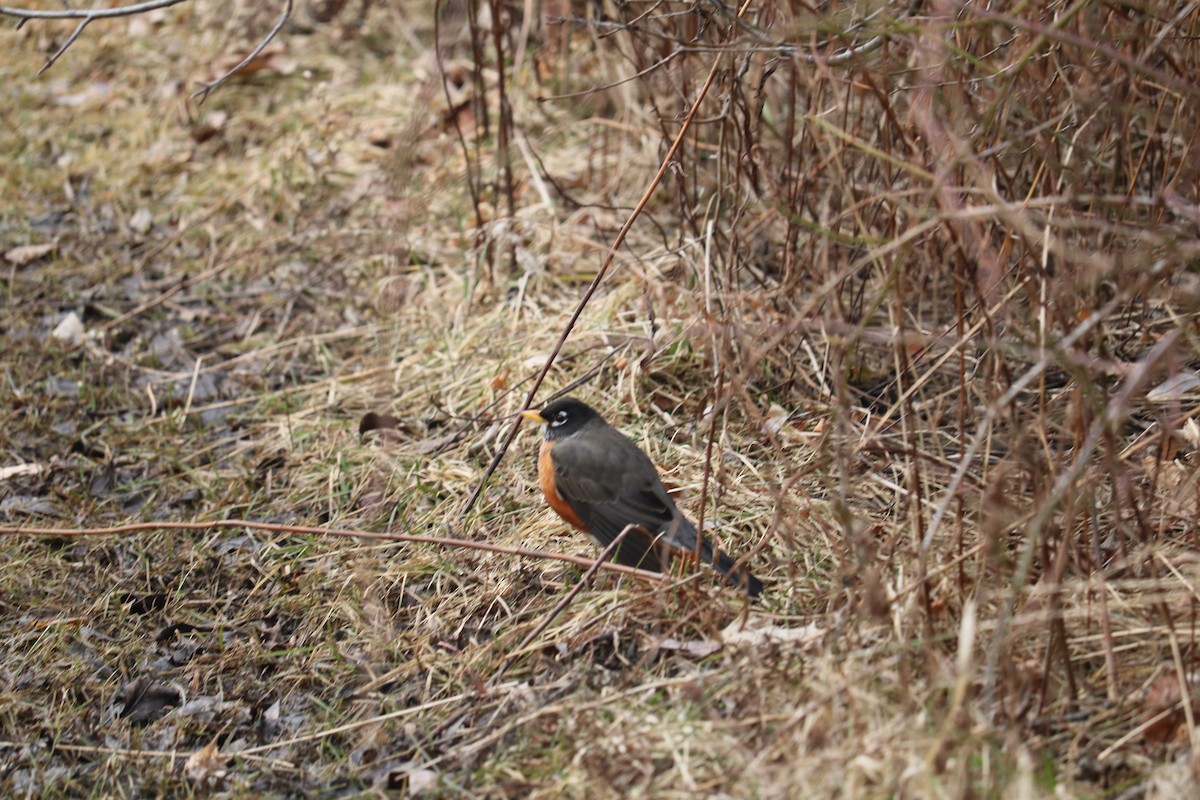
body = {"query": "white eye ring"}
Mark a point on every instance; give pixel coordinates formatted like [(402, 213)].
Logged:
[(559, 419)]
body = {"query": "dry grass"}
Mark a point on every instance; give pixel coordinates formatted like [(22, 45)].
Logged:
[(903, 319)]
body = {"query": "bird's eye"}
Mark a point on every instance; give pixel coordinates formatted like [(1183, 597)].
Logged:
[(559, 419)]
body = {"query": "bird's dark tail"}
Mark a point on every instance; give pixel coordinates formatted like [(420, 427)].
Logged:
[(682, 536), (739, 577)]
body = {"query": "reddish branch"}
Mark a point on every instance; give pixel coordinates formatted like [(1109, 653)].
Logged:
[(441, 541)]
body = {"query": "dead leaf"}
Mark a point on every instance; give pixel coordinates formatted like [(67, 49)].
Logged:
[(70, 329), (1175, 387), (777, 417), (757, 632), (269, 726), (436, 443), (485, 438), (142, 220), (1191, 432), (209, 126), (93, 96), (371, 502), (697, 648), (1174, 779), (421, 780), (143, 701), (205, 765), (26, 504), (377, 422), (103, 481), (412, 781), (20, 470), (271, 59), (392, 293), (20, 256), (1163, 704)]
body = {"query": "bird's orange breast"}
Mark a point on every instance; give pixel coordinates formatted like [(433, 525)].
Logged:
[(547, 480)]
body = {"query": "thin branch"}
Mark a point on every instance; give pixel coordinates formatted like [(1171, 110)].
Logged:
[(203, 93), (85, 16), (441, 541), (662, 62), (452, 111), (70, 41), (1117, 408), (619, 240), (584, 581), (997, 408), (26, 14), (785, 49)]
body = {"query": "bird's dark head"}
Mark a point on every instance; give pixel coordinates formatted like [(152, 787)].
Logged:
[(564, 417)]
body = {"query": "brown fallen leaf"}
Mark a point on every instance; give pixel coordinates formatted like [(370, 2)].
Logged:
[(273, 58), (146, 701), (1163, 709), (208, 127), (205, 765), (377, 422)]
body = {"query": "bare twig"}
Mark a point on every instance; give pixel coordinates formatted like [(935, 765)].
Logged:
[(202, 94), (26, 14), (601, 560), (786, 49), (668, 159), (995, 409), (441, 541), (662, 62), (453, 116), (1118, 406), (87, 16)]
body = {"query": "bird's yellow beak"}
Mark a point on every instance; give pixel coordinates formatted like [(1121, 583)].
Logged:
[(534, 416)]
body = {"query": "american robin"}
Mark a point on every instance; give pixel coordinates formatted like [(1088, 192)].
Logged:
[(598, 480)]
